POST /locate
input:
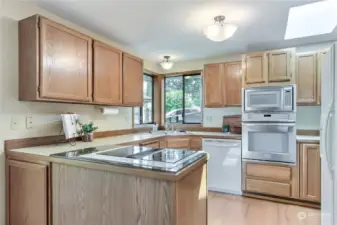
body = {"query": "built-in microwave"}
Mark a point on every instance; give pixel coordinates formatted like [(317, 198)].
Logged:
[(269, 99)]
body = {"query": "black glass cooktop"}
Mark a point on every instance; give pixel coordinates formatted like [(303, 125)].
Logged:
[(168, 155)]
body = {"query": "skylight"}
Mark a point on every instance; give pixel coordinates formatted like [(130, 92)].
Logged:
[(312, 19)]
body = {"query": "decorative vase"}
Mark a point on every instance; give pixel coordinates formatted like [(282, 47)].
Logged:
[(89, 137)]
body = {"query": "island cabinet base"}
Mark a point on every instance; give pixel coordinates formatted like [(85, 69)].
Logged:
[(88, 196)]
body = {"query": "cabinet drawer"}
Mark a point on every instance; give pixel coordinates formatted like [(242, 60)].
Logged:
[(153, 144), (268, 187), (270, 172), (178, 143)]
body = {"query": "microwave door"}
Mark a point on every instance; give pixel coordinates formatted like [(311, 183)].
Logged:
[(263, 100)]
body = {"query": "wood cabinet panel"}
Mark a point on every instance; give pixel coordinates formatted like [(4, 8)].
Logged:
[(65, 63), (107, 67), (132, 80), (233, 83), (27, 193), (178, 143), (310, 172), (280, 66), (255, 68), (306, 78), (277, 173), (268, 187), (213, 93), (153, 144), (196, 143)]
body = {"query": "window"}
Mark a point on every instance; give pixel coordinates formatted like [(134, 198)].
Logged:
[(144, 115), (183, 99)]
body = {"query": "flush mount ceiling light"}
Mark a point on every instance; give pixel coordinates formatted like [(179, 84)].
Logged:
[(220, 31), (311, 19), (166, 64)]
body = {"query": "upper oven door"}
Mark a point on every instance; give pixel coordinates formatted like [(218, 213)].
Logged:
[(263, 99), (269, 142)]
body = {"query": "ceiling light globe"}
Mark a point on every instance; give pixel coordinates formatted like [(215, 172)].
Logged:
[(219, 32), (166, 65)]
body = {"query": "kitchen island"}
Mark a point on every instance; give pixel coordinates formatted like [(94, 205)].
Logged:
[(88, 190)]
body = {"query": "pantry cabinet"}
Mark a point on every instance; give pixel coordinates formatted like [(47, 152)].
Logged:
[(27, 193), (55, 62), (310, 170), (222, 84), (268, 68), (108, 74), (132, 80)]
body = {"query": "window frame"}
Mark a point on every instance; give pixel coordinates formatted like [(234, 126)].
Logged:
[(183, 102), (141, 107)]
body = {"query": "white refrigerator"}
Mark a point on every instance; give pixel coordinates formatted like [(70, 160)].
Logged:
[(328, 137)]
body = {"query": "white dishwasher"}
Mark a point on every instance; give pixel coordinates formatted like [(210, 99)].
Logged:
[(224, 165)]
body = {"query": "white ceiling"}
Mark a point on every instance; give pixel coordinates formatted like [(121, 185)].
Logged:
[(154, 28)]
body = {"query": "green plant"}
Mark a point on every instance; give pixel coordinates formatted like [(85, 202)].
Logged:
[(87, 128)]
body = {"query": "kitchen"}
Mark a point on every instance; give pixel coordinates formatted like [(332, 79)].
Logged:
[(45, 122)]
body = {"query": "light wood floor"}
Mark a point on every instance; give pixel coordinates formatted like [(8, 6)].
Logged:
[(238, 210)]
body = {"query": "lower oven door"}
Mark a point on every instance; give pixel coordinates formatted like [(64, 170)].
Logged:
[(275, 142)]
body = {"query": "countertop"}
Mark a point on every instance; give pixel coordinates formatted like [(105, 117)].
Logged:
[(46, 150)]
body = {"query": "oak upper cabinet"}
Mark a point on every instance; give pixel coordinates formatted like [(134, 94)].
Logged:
[(254, 68), (55, 62), (233, 83), (27, 193), (107, 74), (132, 80), (280, 66), (213, 85), (268, 68), (310, 172)]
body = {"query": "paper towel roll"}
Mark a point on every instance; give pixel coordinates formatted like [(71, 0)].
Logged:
[(109, 111)]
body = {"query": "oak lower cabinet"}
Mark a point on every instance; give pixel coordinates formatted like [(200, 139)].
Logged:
[(178, 143), (268, 68), (196, 143), (27, 193), (55, 62), (108, 74), (270, 179), (222, 84), (300, 182), (132, 80), (310, 172)]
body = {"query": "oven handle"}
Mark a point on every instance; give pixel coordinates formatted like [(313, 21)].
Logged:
[(268, 162)]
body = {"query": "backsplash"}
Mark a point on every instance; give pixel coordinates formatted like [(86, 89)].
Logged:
[(308, 117)]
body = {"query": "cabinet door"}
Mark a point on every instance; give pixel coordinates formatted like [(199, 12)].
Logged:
[(233, 83), (107, 74), (213, 93), (178, 143), (27, 193), (306, 78), (132, 80), (310, 172), (65, 63), (280, 66), (196, 143), (255, 68)]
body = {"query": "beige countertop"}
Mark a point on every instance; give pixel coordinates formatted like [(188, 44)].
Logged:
[(46, 150)]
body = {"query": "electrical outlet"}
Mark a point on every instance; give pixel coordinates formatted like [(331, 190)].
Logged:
[(17, 122), (29, 122), (209, 119)]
